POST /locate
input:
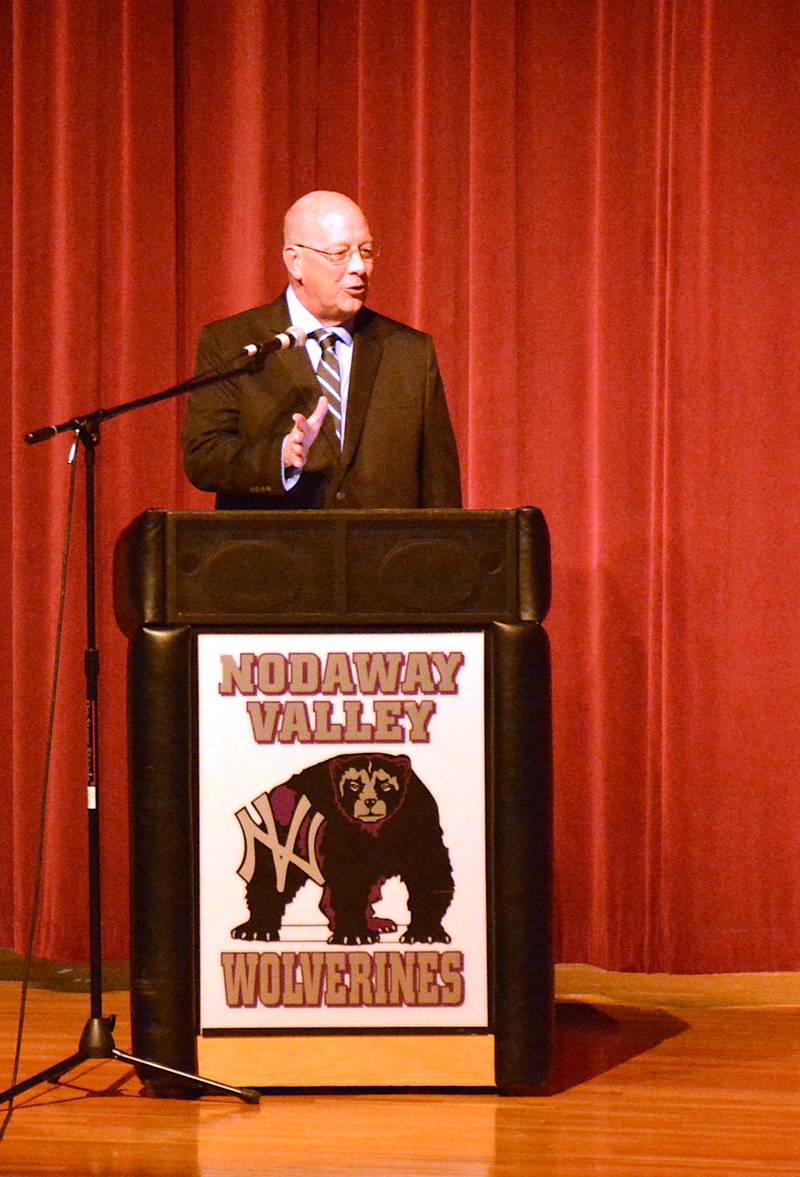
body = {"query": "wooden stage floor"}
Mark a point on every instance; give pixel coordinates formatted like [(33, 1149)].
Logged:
[(653, 1076)]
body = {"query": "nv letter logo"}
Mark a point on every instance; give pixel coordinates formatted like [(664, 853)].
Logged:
[(283, 853)]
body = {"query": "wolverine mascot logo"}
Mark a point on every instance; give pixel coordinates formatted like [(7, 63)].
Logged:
[(349, 823)]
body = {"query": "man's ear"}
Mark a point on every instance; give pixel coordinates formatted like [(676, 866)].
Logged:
[(292, 259)]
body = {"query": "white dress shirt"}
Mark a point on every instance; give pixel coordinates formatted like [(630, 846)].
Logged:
[(301, 317)]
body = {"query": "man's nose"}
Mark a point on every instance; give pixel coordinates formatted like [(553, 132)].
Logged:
[(356, 263)]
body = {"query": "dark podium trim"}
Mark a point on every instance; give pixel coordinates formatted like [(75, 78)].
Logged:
[(163, 891), (332, 568), (521, 848)]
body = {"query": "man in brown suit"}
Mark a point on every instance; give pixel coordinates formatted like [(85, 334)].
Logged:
[(378, 436)]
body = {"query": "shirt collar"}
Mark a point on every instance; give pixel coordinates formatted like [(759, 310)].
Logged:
[(301, 317)]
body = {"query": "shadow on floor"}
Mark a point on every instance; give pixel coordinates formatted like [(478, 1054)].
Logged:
[(589, 1040), (65, 978)]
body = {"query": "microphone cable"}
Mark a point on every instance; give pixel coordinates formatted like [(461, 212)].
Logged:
[(37, 880)]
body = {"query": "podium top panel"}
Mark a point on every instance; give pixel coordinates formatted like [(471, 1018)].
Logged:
[(331, 568)]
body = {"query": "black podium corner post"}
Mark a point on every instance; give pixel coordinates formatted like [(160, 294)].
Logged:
[(163, 870), (523, 856)]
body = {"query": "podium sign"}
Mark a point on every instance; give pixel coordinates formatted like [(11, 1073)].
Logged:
[(385, 731), (340, 828)]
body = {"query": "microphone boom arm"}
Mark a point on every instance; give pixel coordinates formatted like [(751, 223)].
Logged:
[(90, 422)]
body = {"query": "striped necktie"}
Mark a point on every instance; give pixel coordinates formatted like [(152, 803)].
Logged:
[(329, 377)]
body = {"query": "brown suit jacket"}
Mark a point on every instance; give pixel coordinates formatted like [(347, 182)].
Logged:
[(399, 447)]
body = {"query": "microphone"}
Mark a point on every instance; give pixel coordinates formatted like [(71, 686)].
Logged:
[(41, 434), (291, 337)]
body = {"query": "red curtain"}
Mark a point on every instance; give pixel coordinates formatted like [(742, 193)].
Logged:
[(593, 205)]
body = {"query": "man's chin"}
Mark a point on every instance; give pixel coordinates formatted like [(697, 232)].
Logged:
[(352, 303), (345, 311)]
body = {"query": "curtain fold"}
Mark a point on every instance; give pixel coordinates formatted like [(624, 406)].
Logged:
[(594, 208)]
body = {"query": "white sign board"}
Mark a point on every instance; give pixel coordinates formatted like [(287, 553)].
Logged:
[(342, 831)]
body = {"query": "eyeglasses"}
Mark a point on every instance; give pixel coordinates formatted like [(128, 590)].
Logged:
[(368, 252)]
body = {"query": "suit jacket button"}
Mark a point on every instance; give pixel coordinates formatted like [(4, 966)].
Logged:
[(340, 496)]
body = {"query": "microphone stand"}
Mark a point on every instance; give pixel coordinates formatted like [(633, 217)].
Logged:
[(97, 1040)]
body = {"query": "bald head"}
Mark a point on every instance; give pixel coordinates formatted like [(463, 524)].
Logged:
[(317, 223), (316, 209)]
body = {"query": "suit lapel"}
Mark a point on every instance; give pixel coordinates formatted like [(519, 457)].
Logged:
[(366, 360)]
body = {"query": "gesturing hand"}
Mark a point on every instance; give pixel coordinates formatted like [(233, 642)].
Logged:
[(305, 432)]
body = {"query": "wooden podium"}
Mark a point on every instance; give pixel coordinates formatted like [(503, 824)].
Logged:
[(340, 796)]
